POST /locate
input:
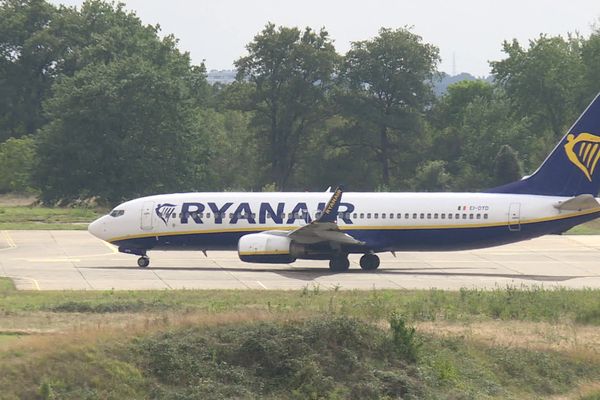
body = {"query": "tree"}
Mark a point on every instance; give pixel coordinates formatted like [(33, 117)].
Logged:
[(17, 160), (120, 130), (431, 176), (387, 88), (544, 81), (27, 56), (506, 166), (291, 72)]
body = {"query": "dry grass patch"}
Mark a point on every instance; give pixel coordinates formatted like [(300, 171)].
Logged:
[(577, 340)]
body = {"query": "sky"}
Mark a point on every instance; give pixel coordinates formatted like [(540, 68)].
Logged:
[(470, 32)]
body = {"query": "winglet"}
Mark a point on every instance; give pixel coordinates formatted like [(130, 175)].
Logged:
[(329, 213)]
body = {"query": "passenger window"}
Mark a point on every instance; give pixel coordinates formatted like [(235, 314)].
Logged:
[(362, 215), (399, 216), (449, 215), (457, 216), (406, 216), (464, 216), (376, 215), (415, 216), (207, 215), (428, 215), (368, 215), (391, 215), (422, 216), (470, 216), (443, 216), (354, 216), (435, 216), (382, 215), (485, 216), (478, 216)]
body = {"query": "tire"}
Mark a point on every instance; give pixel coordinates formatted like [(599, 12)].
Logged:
[(369, 262), (143, 262), (339, 264)]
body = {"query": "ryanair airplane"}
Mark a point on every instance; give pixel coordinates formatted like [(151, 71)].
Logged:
[(284, 227)]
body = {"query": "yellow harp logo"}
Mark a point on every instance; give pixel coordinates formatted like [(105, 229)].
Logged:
[(584, 152)]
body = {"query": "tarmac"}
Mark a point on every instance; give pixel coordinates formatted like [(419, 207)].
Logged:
[(75, 260)]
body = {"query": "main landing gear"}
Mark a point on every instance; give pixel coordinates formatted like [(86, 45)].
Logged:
[(339, 264), (143, 261), (368, 262)]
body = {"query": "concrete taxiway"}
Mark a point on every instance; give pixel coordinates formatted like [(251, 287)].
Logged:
[(53, 260)]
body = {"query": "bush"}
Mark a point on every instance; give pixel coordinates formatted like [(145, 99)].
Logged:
[(404, 338)]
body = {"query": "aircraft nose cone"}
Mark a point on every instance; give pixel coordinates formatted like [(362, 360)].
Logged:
[(98, 228)]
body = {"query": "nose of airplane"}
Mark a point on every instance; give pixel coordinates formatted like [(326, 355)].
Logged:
[(98, 228)]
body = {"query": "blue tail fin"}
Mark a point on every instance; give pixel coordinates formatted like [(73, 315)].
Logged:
[(573, 167)]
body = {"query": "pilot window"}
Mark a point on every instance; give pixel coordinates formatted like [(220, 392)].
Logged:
[(117, 213)]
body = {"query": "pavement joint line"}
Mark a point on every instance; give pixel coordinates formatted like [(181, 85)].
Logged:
[(70, 261), (162, 280), (230, 273)]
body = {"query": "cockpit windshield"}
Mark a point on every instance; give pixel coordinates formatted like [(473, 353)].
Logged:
[(116, 213)]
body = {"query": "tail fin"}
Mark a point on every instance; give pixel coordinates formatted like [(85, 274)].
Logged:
[(573, 167)]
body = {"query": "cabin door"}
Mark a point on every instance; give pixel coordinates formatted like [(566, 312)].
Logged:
[(514, 217), (147, 215)]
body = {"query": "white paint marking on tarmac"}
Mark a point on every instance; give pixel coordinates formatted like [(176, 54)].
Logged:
[(260, 283)]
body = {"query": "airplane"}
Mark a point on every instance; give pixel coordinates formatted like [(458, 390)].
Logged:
[(285, 227)]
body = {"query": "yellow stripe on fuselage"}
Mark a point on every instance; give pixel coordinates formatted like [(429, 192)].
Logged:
[(359, 228)]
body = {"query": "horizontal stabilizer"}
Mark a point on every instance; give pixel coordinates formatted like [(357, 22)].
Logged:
[(578, 203)]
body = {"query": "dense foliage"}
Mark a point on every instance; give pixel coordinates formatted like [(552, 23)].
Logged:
[(94, 104)]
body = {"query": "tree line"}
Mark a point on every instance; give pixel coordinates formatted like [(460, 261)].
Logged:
[(95, 104)]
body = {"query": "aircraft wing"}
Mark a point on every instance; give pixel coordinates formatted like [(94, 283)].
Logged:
[(325, 228), (578, 203)]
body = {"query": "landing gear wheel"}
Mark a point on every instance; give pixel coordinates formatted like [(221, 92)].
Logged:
[(143, 262), (339, 264), (369, 262)]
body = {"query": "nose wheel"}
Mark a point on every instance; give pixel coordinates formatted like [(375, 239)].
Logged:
[(143, 261), (369, 262)]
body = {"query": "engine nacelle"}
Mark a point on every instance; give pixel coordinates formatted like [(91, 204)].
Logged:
[(265, 248)]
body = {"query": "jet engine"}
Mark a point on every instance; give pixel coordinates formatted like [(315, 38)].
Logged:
[(265, 248)]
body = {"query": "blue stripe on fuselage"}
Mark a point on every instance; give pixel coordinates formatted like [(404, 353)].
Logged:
[(461, 238)]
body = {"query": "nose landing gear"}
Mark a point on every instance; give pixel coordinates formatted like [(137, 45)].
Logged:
[(143, 261)]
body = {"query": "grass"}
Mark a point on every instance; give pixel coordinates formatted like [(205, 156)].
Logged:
[(38, 218), (508, 343), (589, 228)]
